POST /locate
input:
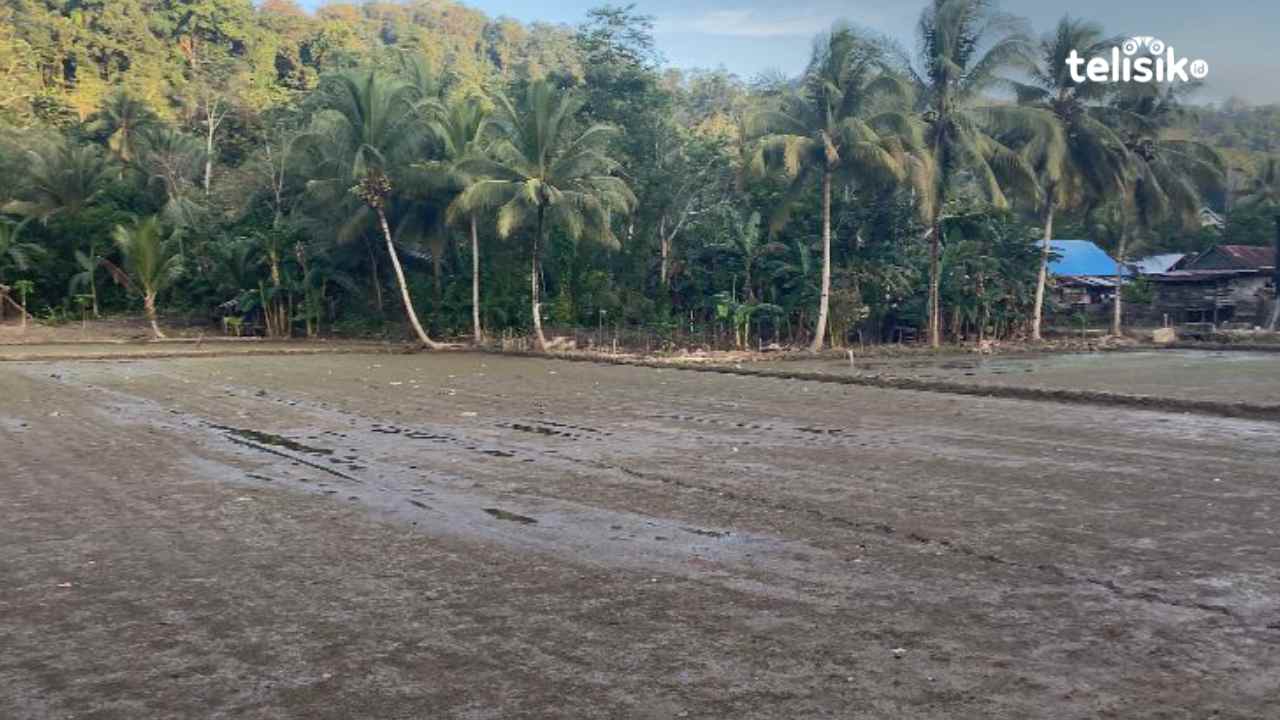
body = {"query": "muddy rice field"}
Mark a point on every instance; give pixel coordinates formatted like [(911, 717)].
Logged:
[(464, 535), (1227, 376)]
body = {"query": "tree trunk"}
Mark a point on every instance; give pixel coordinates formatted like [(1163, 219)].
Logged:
[(1275, 280), (437, 274), (208, 155), (540, 340), (664, 248), (824, 299), (149, 304), (1037, 313), (283, 328), (373, 277), (475, 282), (404, 287), (1118, 306), (935, 282)]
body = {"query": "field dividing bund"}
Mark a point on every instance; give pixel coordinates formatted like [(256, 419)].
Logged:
[(1220, 408)]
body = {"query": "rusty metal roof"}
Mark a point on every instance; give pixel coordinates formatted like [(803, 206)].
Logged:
[(1201, 275), (1226, 257)]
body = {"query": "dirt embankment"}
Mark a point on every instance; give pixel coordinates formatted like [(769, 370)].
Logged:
[(749, 365)]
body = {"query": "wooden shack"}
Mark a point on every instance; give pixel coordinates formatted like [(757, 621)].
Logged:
[(1226, 285)]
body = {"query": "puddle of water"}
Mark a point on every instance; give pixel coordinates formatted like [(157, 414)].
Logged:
[(513, 517), (706, 533), (264, 438)]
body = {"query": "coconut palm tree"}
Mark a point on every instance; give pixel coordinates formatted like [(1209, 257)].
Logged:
[(541, 173), (121, 118), (964, 45), (14, 251), (1089, 163), (837, 127), (1263, 190), (366, 127), (459, 131), (62, 179), (1168, 177), (172, 161), (151, 262)]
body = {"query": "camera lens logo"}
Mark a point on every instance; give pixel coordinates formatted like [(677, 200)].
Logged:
[(1141, 58)]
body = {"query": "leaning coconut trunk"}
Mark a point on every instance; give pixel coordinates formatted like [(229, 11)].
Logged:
[(374, 189), (404, 286), (1037, 313), (149, 304), (1118, 306)]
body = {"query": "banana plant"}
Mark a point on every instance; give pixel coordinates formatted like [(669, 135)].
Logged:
[(740, 314), (87, 278)]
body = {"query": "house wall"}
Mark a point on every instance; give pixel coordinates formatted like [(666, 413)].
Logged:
[(1240, 300)]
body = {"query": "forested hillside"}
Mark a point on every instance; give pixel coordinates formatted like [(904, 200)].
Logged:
[(419, 167)]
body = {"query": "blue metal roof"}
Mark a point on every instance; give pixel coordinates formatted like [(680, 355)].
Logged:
[(1081, 258)]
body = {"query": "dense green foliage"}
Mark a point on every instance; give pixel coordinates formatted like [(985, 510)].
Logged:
[(363, 164)]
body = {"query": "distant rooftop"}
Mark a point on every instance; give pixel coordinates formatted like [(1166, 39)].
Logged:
[(1155, 263), (1081, 258), (1234, 257)]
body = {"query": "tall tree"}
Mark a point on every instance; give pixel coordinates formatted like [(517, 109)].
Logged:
[(1169, 177), (459, 131), (122, 118), (171, 161), (835, 128), (1086, 161), (1263, 191), (62, 180), (366, 129), (543, 173), (964, 45), (152, 263)]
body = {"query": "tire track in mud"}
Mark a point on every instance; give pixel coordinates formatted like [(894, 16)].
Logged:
[(573, 525), (887, 530), (246, 438), (837, 436), (538, 429)]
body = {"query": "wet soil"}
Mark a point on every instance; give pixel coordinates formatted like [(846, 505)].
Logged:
[(1182, 374), (473, 536)]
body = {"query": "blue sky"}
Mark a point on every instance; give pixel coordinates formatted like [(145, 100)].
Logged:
[(1237, 37)]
